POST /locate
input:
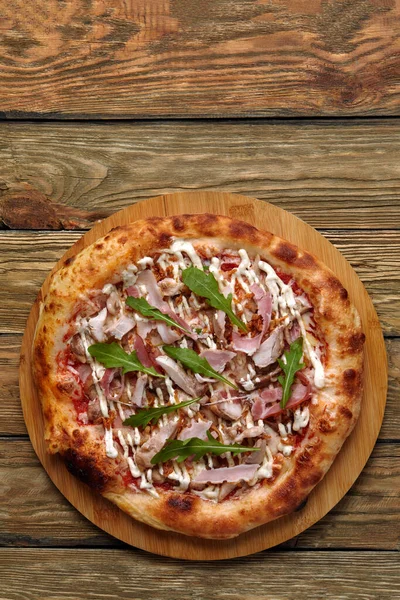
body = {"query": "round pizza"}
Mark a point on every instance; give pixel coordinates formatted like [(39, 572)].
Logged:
[(198, 372)]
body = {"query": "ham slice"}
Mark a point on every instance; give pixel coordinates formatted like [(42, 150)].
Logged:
[(137, 396), (219, 324), (264, 309), (168, 336), (300, 393), (270, 349), (113, 303), (141, 351), (230, 409), (235, 474), (84, 371), (147, 279), (261, 405), (186, 382), (112, 383), (153, 445), (170, 287), (218, 358), (96, 325), (197, 429), (145, 327), (133, 291), (121, 327)]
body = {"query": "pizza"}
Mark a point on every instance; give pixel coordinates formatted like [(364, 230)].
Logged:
[(199, 373)]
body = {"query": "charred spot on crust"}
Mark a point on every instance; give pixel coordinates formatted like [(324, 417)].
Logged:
[(40, 357), (164, 239), (350, 382), (178, 223), (240, 229), (286, 252), (335, 285), (85, 469), (122, 240), (345, 412), (302, 504), (69, 261), (306, 261), (326, 426), (356, 342), (181, 504), (99, 246)]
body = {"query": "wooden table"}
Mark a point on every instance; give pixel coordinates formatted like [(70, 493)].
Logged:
[(300, 90)]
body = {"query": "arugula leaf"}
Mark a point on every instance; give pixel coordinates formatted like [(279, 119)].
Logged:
[(290, 368), (205, 285), (112, 355), (144, 416), (191, 360), (197, 448), (144, 308)]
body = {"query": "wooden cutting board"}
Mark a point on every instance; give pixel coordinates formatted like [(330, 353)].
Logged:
[(347, 466)]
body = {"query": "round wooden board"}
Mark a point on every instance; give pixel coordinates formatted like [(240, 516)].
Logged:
[(347, 466)]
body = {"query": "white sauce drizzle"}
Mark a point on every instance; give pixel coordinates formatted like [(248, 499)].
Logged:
[(301, 418), (111, 451)]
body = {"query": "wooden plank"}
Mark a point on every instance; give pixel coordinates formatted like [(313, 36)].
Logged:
[(12, 423), (26, 259), (52, 574), (174, 57), (331, 174), (368, 517)]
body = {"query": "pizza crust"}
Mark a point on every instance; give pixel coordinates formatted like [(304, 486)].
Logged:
[(331, 419)]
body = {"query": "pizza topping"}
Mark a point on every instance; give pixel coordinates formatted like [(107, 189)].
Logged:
[(168, 354), (96, 325), (144, 308), (262, 403), (205, 285), (112, 355), (112, 384), (270, 349), (229, 474), (196, 429), (146, 454), (152, 415), (121, 327), (137, 396), (182, 449), (218, 359), (111, 451), (178, 375), (191, 360), (290, 364)]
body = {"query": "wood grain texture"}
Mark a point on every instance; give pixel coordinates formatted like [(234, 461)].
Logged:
[(182, 57), (368, 517), (51, 574), (333, 175), (12, 422), (348, 464), (27, 257)]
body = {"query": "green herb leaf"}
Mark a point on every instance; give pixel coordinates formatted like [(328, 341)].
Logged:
[(112, 355), (191, 360), (290, 368), (197, 448), (144, 308), (205, 285), (144, 416)]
